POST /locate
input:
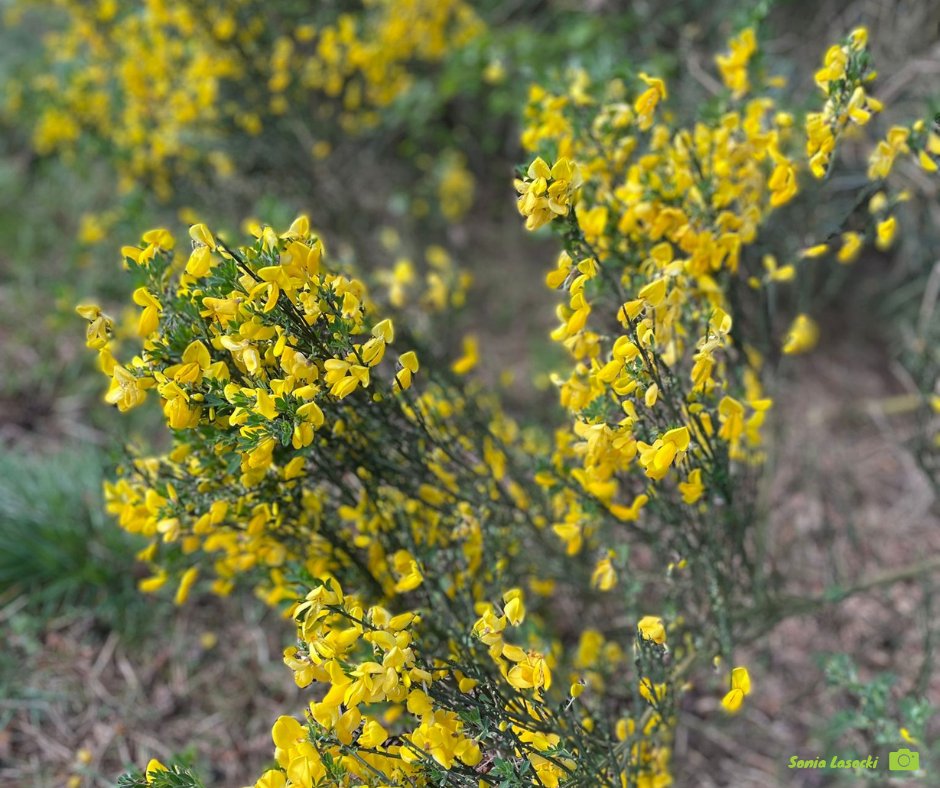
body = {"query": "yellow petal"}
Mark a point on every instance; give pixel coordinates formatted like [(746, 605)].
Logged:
[(732, 701), (741, 680)]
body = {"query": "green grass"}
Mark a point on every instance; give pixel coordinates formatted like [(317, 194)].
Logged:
[(59, 550)]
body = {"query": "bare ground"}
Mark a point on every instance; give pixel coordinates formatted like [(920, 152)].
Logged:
[(850, 508)]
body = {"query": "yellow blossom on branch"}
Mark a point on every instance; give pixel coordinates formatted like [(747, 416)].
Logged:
[(740, 688)]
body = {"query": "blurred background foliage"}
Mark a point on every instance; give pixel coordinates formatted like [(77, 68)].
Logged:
[(427, 162)]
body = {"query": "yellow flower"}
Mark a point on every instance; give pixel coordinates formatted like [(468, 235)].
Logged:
[(604, 576), (100, 326), (782, 183), (409, 363), (153, 766), (273, 778), (733, 66), (200, 261), (186, 584), (547, 192), (802, 336), (514, 607), (926, 161), (373, 734), (659, 457), (150, 317), (858, 38), (886, 230), (531, 672), (654, 292), (777, 274), (731, 415), (834, 66), (287, 733), (470, 357), (92, 229), (125, 390), (384, 330), (650, 692), (494, 73), (740, 687), (652, 628), (851, 247), (201, 235), (406, 568), (693, 488), (882, 158), (815, 251), (646, 103)]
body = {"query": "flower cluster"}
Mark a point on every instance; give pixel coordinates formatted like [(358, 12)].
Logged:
[(162, 81), (842, 79), (665, 305), (546, 192), (469, 595), (312, 450)]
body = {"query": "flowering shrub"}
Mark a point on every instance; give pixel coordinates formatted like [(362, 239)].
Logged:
[(304, 456), (478, 603), (162, 82)]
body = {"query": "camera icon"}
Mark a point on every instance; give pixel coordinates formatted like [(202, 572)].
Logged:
[(903, 760)]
